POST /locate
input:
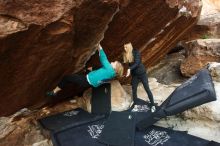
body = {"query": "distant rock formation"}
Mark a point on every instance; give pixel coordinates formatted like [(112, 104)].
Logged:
[(214, 68), (198, 54), (208, 25)]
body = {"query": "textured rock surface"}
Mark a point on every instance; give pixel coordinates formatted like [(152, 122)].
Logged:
[(22, 129), (210, 17), (199, 53), (214, 68), (40, 41), (167, 71), (140, 22), (208, 25)]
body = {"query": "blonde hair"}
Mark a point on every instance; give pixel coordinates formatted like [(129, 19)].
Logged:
[(119, 69), (127, 54)]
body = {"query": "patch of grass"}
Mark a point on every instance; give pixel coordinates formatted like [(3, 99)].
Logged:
[(205, 36)]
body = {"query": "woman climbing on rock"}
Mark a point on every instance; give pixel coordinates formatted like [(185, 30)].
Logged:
[(93, 79)]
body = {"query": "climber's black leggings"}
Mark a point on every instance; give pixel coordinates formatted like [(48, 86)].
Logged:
[(78, 82), (134, 82)]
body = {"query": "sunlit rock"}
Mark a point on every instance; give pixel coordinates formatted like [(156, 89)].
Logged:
[(198, 54)]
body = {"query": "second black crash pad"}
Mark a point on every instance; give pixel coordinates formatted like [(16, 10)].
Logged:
[(199, 89), (141, 109), (101, 99), (83, 135), (67, 119), (159, 136), (119, 129)]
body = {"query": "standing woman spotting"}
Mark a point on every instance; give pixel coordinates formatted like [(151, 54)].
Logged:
[(138, 72)]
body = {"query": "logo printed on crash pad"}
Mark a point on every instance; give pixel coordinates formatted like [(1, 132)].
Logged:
[(95, 130), (156, 137), (193, 78), (71, 113), (140, 108)]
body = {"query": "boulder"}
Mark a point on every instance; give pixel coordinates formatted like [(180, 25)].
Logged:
[(208, 25), (210, 17), (198, 54), (140, 22), (41, 41), (23, 129), (20, 132), (167, 71), (45, 142), (214, 68)]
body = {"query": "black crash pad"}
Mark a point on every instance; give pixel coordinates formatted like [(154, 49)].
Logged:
[(88, 134), (155, 135), (101, 99), (159, 136), (86, 131), (67, 119), (119, 129), (213, 143), (141, 110), (82, 135), (199, 89)]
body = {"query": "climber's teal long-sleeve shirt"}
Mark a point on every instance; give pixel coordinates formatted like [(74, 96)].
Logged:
[(106, 72)]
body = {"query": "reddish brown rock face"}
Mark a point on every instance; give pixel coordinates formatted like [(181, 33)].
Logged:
[(40, 41), (153, 27), (43, 40), (208, 25), (198, 54)]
